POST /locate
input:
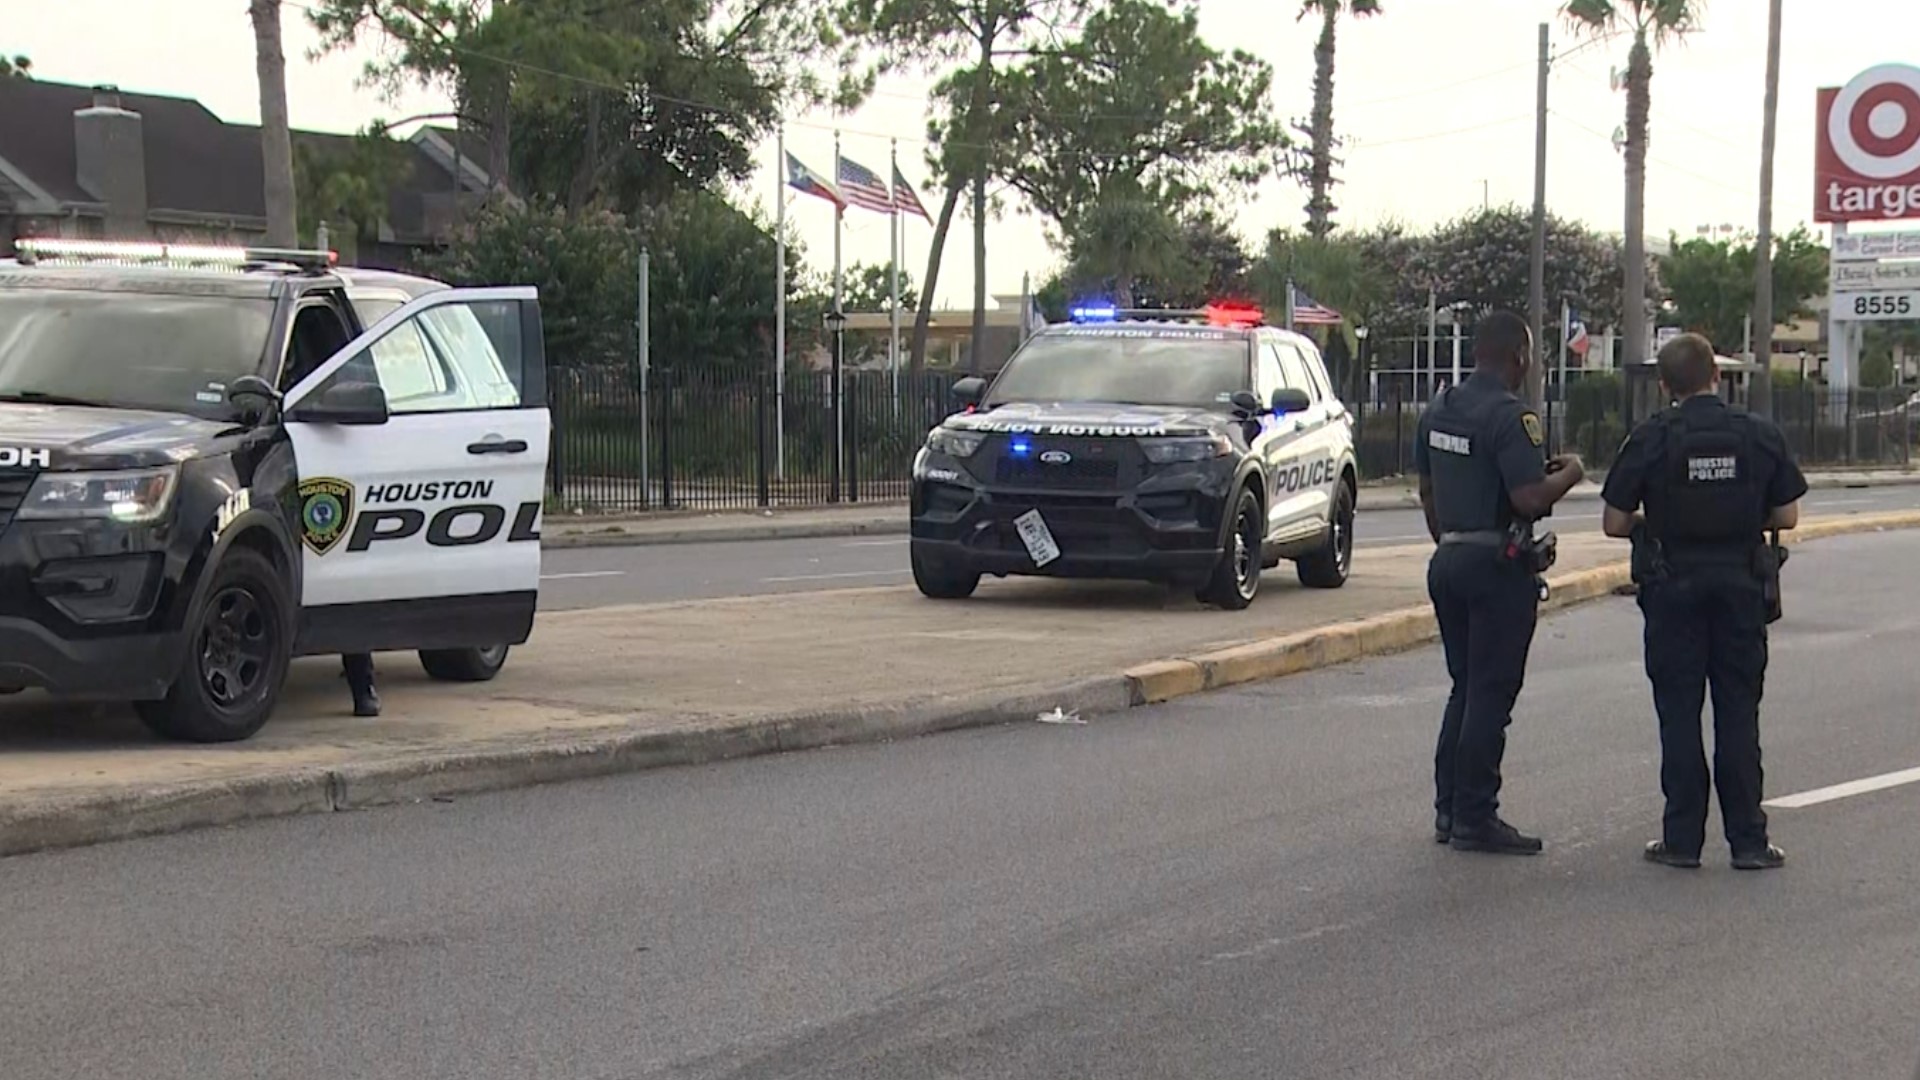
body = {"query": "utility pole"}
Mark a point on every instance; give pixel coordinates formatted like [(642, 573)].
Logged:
[(1760, 394), (1537, 277)]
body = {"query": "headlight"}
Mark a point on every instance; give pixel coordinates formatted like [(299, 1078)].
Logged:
[(1166, 451), (134, 496), (960, 444)]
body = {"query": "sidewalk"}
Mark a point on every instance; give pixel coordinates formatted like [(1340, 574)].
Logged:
[(619, 689), (890, 518)]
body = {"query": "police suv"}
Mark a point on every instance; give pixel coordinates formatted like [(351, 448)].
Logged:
[(1195, 448), (215, 459)]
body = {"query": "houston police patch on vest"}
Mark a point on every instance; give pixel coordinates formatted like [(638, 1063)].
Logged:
[(1710, 496)]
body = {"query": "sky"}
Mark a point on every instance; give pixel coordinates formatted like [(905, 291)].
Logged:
[(1435, 98)]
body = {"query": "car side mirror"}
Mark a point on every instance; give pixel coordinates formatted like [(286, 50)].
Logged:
[(253, 397), (345, 403), (1245, 403), (970, 390), (1287, 399)]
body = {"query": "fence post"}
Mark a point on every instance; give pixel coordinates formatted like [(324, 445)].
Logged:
[(666, 437), (853, 443), (760, 438), (557, 444), (1399, 436)]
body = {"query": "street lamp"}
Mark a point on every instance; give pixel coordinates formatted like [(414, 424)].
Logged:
[(836, 321), (1373, 380)]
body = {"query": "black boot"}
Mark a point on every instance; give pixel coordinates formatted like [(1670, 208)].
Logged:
[(1442, 827), (1657, 851), (366, 701), (1764, 858), (1495, 837)]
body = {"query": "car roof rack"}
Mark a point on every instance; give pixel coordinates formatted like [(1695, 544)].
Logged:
[(36, 251)]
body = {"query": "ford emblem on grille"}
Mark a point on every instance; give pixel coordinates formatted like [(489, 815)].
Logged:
[(1056, 457)]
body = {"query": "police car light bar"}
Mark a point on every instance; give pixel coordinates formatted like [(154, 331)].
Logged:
[(1224, 313), (33, 251)]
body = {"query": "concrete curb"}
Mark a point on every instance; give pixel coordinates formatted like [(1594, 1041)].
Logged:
[(71, 821), (615, 534)]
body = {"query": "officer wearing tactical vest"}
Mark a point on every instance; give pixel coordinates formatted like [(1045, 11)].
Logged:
[(1713, 480), (1484, 481)]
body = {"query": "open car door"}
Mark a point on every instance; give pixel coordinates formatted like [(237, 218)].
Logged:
[(421, 450)]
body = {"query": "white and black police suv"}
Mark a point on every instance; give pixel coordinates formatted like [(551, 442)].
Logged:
[(214, 459), (1194, 448)]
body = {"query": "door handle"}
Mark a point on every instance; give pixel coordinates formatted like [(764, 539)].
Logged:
[(498, 446)]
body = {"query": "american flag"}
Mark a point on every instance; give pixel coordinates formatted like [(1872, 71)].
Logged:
[(862, 188), (1308, 312), (908, 201)]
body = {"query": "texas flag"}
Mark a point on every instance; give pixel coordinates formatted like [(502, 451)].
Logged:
[(1577, 340), (803, 179)]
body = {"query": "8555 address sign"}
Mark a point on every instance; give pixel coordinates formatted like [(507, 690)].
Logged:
[(1878, 306)]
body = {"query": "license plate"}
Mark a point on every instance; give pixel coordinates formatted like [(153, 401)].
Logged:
[(1038, 538)]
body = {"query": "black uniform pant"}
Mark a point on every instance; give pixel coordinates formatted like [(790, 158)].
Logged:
[(1487, 607), (1707, 629), (359, 671)]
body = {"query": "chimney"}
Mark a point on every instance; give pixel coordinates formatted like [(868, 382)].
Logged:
[(110, 162)]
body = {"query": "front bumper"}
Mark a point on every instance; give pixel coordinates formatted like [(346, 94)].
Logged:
[(84, 610), (1168, 528), (128, 667)]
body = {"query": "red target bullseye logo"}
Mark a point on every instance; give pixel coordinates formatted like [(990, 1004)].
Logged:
[(1868, 152)]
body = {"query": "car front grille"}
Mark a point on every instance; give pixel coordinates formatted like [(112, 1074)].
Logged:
[(13, 490), (1090, 465)]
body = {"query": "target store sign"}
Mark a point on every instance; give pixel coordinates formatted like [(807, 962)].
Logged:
[(1867, 151)]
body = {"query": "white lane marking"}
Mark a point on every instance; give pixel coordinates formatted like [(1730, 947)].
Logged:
[(583, 574), (1845, 791), (894, 542), (831, 577), (1844, 502)]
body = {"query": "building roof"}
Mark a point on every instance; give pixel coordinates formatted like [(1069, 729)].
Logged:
[(196, 163)]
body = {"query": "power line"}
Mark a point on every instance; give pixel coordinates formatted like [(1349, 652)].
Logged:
[(1704, 178), (1359, 145)]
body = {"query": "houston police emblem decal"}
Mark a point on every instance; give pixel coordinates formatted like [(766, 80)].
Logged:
[(326, 505)]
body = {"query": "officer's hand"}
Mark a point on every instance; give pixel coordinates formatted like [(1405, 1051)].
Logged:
[(1567, 461)]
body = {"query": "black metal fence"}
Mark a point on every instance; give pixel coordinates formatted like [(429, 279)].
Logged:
[(701, 440), (697, 440), (1862, 428)]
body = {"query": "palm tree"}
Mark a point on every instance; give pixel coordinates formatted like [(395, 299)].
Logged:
[(1761, 399), (276, 138), (1320, 158), (1125, 236), (1652, 23)]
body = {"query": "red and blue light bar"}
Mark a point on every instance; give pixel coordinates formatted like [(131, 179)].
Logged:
[(1225, 313)]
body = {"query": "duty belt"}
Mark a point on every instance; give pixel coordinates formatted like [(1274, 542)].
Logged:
[(1479, 537)]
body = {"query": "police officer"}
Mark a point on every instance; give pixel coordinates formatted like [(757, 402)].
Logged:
[(1484, 480), (1712, 480)]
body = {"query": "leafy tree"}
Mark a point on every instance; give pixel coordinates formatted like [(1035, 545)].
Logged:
[(1142, 104), (1340, 272), (348, 186), (276, 137), (869, 288), (1215, 266), (1483, 260), (1124, 236), (1320, 179), (583, 265), (15, 67), (1711, 283), (626, 95), (967, 39), (1652, 23)]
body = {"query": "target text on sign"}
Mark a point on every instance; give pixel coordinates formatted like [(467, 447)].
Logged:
[(1867, 149)]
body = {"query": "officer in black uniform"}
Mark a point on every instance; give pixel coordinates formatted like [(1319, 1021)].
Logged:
[(1713, 480), (1484, 481)]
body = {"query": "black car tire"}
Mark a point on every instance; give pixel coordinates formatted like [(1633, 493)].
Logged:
[(1236, 577), (940, 581), (1330, 567), (464, 665), (239, 641)]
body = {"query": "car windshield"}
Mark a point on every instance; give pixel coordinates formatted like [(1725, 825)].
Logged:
[(130, 350), (1196, 370)]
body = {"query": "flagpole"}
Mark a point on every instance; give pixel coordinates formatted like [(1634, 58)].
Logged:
[(780, 305), (839, 337), (1566, 329), (1289, 301), (893, 257)]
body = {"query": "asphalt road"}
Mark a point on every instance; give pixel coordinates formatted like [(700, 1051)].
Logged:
[(1238, 885), (593, 577)]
